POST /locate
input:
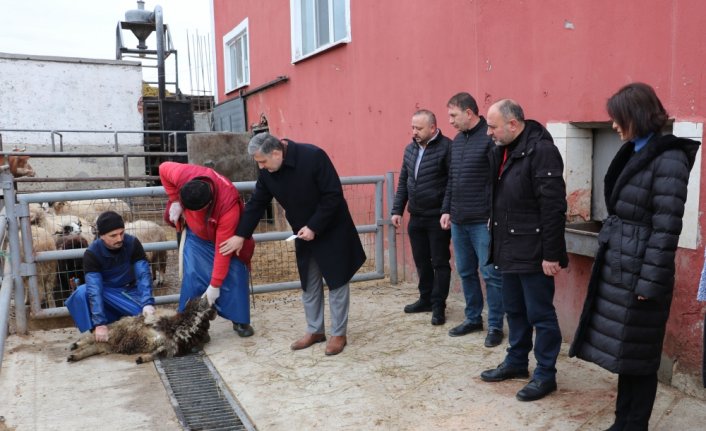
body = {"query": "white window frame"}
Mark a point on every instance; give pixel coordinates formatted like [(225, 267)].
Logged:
[(232, 37), (576, 147), (295, 8)]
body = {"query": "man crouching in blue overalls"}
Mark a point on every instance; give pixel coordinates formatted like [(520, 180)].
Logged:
[(118, 279)]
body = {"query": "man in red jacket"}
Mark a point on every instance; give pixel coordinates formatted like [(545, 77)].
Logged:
[(210, 205)]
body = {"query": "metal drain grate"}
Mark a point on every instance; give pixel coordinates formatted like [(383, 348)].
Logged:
[(199, 396)]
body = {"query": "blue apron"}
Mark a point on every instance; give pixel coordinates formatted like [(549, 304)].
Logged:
[(233, 302)]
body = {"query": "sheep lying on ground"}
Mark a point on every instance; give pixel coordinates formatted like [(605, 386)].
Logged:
[(157, 336), (90, 209), (148, 231)]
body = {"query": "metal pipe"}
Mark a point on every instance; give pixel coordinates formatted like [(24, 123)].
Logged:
[(159, 26), (379, 231), (77, 253), (14, 240), (391, 230), (5, 294), (28, 262), (126, 171)]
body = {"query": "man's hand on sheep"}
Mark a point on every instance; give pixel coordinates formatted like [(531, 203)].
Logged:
[(147, 310), (175, 212), (231, 245), (212, 293), (101, 333)]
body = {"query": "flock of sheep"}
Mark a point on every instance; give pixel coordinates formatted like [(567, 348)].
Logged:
[(71, 225)]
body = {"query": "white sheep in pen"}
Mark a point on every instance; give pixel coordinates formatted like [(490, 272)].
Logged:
[(91, 209), (148, 231), (46, 271), (67, 224)]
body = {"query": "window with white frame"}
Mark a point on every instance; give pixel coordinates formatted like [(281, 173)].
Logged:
[(318, 25), (236, 53)]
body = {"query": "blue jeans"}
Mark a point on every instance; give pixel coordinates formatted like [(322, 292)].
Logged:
[(529, 304), (117, 303), (471, 243)]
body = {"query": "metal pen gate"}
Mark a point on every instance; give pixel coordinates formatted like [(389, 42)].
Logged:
[(18, 220)]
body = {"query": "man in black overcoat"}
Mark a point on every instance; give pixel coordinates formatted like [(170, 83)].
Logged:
[(304, 181)]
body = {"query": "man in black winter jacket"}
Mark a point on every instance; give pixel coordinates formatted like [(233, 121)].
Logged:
[(465, 212), (527, 243), (421, 188)]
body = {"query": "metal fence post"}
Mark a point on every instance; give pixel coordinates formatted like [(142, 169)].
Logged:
[(380, 233), (391, 230), (14, 238)]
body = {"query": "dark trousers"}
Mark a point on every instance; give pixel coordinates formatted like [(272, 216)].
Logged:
[(633, 407), (431, 253), (529, 305)]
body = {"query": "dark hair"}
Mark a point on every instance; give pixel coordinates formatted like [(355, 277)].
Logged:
[(510, 109), (264, 143), (195, 194), (430, 116), (637, 110), (464, 101)]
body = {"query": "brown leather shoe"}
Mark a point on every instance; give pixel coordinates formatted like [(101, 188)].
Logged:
[(335, 345), (308, 340)]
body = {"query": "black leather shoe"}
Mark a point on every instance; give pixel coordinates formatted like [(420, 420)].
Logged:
[(465, 328), (535, 390), (417, 307), (503, 373), (438, 317), (243, 329), (494, 338)]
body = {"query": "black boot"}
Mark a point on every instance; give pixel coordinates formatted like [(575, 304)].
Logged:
[(438, 316), (418, 307)]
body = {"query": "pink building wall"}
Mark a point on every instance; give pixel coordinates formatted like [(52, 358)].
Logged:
[(559, 59)]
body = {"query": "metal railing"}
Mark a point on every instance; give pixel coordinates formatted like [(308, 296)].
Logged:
[(18, 219)]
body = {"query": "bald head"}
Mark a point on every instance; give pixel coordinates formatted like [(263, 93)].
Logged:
[(506, 120)]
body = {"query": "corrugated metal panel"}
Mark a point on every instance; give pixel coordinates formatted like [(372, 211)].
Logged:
[(230, 116)]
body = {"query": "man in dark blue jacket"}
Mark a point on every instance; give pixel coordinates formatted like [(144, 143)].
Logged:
[(421, 188), (466, 211), (527, 243), (118, 279)]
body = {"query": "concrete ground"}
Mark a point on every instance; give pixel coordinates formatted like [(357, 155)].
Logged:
[(397, 373)]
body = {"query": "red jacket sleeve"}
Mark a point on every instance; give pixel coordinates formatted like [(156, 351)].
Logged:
[(169, 173)]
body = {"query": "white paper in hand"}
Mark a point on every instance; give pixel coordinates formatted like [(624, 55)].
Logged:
[(292, 238)]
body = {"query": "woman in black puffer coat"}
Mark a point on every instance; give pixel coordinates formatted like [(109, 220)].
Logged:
[(623, 320)]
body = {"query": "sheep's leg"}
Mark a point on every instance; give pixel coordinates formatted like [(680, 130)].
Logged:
[(51, 302), (159, 278), (84, 351), (149, 357)]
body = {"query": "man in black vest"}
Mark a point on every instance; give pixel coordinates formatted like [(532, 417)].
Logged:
[(421, 188), (466, 212)]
